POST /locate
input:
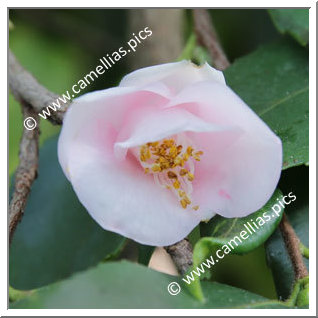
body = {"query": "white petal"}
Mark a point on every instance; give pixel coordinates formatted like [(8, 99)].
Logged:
[(236, 176), (162, 124), (121, 198), (88, 114), (176, 76)]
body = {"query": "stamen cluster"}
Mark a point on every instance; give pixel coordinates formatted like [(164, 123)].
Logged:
[(172, 166)]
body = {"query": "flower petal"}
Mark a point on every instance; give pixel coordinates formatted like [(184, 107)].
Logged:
[(118, 195), (121, 198), (161, 124), (175, 76), (235, 177), (90, 116)]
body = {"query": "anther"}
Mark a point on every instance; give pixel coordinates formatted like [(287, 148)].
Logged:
[(171, 167)]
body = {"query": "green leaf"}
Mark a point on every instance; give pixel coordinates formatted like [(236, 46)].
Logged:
[(300, 294), (273, 81), (129, 285), (297, 212), (220, 231), (234, 235), (15, 294), (56, 237), (195, 235), (292, 21), (243, 271), (303, 293), (144, 253), (304, 250)]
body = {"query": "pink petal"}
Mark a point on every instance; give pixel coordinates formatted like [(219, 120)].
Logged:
[(88, 117), (121, 198), (237, 174), (175, 76), (157, 125), (117, 194), (99, 141)]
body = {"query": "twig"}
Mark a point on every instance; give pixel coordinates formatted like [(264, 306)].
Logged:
[(292, 244), (26, 172), (207, 37), (181, 254), (26, 88)]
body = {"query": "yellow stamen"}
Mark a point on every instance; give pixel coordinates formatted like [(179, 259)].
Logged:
[(170, 161), (156, 168), (173, 151), (171, 175), (187, 200), (185, 156), (181, 193), (179, 149), (176, 184), (197, 155), (184, 203), (190, 176), (189, 151), (183, 172)]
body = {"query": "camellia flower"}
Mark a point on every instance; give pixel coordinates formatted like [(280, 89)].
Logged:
[(171, 146)]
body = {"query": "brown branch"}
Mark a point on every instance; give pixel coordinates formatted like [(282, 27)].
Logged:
[(181, 254), (292, 244), (26, 172), (25, 88), (207, 37)]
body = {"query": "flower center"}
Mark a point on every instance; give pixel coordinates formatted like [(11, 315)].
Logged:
[(171, 162)]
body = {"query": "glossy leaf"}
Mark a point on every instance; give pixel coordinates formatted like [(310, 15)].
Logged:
[(129, 285), (219, 231), (273, 81), (144, 253), (292, 21), (233, 235), (56, 237)]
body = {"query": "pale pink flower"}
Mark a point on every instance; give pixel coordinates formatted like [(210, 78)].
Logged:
[(171, 146)]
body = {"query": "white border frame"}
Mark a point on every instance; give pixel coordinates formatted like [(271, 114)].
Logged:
[(312, 155)]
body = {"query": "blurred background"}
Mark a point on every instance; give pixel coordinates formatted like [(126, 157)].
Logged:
[(60, 46)]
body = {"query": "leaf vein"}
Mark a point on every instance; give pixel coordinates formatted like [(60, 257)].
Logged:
[(281, 101)]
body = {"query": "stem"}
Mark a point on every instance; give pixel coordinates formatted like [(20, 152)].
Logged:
[(181, 254), (25, 88), (292, 244), (207, 37), (26, 172)]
